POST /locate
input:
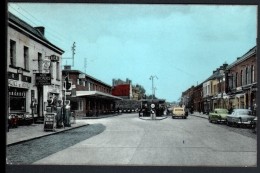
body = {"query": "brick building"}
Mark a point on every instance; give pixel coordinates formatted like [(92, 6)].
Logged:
[(88, 96), (242, 81)]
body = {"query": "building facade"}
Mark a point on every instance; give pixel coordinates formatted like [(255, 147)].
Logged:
[(242, 81), (233, 85), (33, 65), (88, 96)]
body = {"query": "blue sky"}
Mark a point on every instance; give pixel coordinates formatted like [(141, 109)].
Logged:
[(180, 44)]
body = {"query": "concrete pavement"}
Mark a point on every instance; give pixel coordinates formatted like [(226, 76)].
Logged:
[(25, 133)]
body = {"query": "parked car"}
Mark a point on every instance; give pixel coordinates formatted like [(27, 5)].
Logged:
[(240, 117), (218, 115), (179, 112)]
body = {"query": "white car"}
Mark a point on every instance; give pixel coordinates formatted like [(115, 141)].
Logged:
[(240, 117)]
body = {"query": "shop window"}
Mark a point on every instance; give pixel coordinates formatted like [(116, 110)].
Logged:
[(51, 69), (17, 104), (12, 53)]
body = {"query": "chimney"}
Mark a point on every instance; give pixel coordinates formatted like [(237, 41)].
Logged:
[(40, 29), (67, 67)]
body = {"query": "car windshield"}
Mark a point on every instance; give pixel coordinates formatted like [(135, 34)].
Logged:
[(178, 109), (244, 112), (222, 111)]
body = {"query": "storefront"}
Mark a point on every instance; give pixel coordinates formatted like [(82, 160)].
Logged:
[(17, 99)]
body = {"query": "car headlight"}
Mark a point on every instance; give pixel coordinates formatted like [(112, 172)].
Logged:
[(28, 116)]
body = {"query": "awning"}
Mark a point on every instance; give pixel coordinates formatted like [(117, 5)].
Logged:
[(96, 94)]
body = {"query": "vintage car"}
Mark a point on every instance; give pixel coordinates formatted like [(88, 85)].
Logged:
[(179, 112), (218, 115), (240, 117)]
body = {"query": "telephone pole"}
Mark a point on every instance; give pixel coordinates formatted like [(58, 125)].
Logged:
[(151, 78)]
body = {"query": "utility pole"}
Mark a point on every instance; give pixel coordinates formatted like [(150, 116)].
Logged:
[(151, 78), (73, 53)]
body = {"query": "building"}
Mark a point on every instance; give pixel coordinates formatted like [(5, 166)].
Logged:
[(88, 96), (242, 81), (33, 66), (214, 90), (198, 98)]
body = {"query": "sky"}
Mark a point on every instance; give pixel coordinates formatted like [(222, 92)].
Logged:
[(179, 44)]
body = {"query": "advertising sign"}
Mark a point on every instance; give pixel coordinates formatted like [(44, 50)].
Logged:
[(42, 79)]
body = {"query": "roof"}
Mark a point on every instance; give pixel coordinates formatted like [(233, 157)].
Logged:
[(88, 76), (17, 21), (96, 94), (243, 58)]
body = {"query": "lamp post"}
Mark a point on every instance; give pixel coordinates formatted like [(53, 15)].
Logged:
[(151, 78)]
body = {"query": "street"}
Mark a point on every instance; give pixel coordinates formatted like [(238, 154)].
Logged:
[(128, 140)]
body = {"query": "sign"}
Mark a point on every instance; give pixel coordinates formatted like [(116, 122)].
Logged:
[(54, 58), (46, 66), (68, 93), (18, 84), (42, 79), (153, 105)]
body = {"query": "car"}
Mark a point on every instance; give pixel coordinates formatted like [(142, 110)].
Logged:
[(218, 115), (179, 112), (240, 117)]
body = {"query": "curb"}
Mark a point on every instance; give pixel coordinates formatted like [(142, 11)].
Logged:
[(55, 132), (154, 119), (83, 118), (200, 116)]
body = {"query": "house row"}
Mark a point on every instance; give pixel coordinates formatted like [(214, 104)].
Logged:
[(233, 85)]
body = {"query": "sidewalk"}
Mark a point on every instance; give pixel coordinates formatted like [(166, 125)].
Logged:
[(26, 133), (99, 116), (201, 115)]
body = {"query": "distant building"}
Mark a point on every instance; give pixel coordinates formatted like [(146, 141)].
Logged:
[(88, 96)]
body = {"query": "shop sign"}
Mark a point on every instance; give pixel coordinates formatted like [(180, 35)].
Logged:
[(17, 93), (42, 79), (46, 66), (18, 84), (54, 58)]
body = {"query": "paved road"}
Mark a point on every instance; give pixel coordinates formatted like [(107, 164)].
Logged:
[(128, 140)]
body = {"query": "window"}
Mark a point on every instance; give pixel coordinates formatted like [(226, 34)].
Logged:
[(51, 69), (58, 70), (241, 78), (12, 53), (247, 76), (39, 62), (26, 57), (236, 79), (253, 74)]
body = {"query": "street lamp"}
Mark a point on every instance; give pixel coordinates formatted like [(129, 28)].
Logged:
[(151, 78)]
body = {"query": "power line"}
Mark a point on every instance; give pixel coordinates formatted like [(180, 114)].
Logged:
[(57, 36)]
